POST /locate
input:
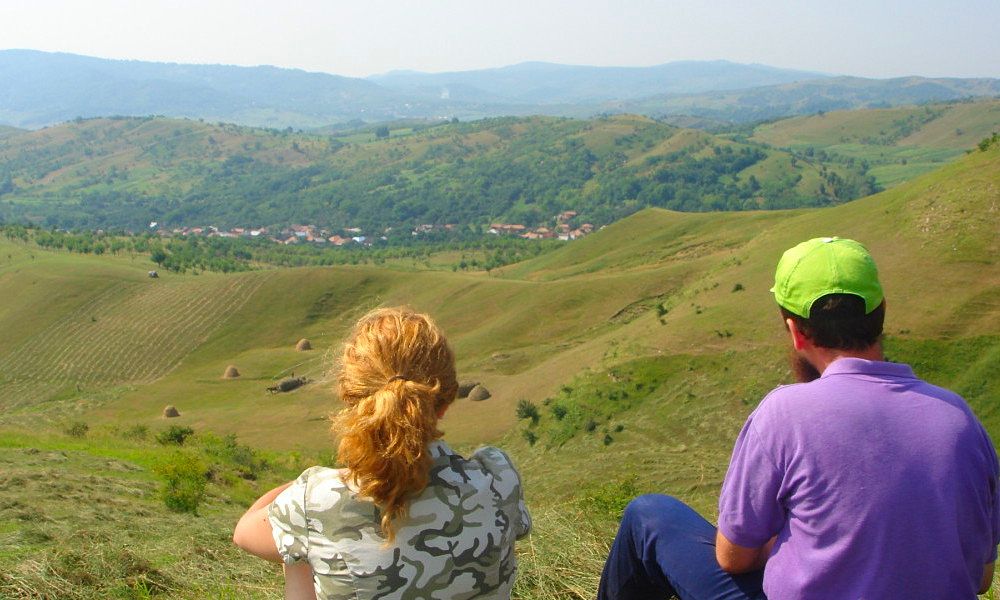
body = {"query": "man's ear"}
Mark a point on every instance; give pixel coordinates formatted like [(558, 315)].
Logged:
[(799, 340)]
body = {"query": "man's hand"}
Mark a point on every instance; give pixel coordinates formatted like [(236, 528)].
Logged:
[(736, 559)]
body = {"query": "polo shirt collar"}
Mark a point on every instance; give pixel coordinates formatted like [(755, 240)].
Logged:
[(860, 366)]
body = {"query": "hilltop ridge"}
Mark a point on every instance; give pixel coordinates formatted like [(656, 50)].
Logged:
[(45, 88)]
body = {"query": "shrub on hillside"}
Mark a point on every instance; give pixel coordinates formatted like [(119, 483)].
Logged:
[(175, 434), (526, 409), (77, 429), (229, 454), (986, 142), (184, 480)]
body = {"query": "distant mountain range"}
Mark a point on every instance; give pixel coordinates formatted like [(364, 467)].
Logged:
[(547, 83), (38, 89)]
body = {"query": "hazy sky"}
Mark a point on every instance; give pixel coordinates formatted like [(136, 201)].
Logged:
[(361, 37)]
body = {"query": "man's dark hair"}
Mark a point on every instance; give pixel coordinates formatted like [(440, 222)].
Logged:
[(839, 322)]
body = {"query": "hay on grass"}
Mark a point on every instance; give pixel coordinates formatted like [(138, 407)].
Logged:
[(170, 411), (479, 393), (465, 387), (303, 345), (231, 372)]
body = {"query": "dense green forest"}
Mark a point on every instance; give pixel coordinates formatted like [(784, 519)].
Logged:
[(128, 172)]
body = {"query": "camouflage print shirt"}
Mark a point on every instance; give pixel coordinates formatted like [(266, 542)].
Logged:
[(456, 543)]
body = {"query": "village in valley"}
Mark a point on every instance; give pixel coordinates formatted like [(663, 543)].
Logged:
[(563, 230)]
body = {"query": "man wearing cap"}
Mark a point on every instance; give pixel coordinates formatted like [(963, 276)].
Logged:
[(861, 481)]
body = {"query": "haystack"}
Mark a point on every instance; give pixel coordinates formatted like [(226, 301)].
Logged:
[(170, 411), (464, 387), (479, 393), (231, 372), (303, 345)]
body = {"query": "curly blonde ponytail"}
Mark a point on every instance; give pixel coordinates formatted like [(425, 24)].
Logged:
[(397, 375)]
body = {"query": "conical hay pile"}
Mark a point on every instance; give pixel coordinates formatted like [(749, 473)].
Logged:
[(479, 393), (465, 387), (303, 345), (231, 372), (170, 411)]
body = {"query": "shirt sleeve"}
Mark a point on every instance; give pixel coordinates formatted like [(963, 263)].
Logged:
[(750, 510), (287, 515)]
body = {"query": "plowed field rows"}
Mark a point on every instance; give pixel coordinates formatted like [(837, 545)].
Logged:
[(130, 333)]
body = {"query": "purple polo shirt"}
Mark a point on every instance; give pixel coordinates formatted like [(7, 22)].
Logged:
[(877, 484)]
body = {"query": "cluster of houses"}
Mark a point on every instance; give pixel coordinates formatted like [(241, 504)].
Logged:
[(295, 234), (299, 234), (562, 230)]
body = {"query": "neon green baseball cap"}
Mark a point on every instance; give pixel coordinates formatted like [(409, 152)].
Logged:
[(826, 265)]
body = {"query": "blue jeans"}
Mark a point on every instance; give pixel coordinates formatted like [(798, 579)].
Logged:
[(664, 548)]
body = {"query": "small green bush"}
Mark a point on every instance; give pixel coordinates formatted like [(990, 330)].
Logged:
[(738, 287), (559, 411), (526, 409), (175, 434), (77, 429), (184, 480), (530, 436), (229, 454), (986, 142)]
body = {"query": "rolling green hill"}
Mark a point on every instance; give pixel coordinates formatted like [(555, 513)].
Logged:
[(642, 347), (898, 143), (108, 173)]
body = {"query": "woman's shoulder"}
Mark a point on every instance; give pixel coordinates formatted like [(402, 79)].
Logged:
[(317, 485), (320, 475), (488, 461), (492, 458), (497, 463)]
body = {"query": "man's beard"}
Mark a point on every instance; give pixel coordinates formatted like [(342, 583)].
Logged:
[(802, 369)]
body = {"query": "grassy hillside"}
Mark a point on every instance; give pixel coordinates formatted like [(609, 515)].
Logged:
[(899, 143), (128, 172), (642, 348)]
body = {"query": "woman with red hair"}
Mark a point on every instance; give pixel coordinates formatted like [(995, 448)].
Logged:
[(405, 517)]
